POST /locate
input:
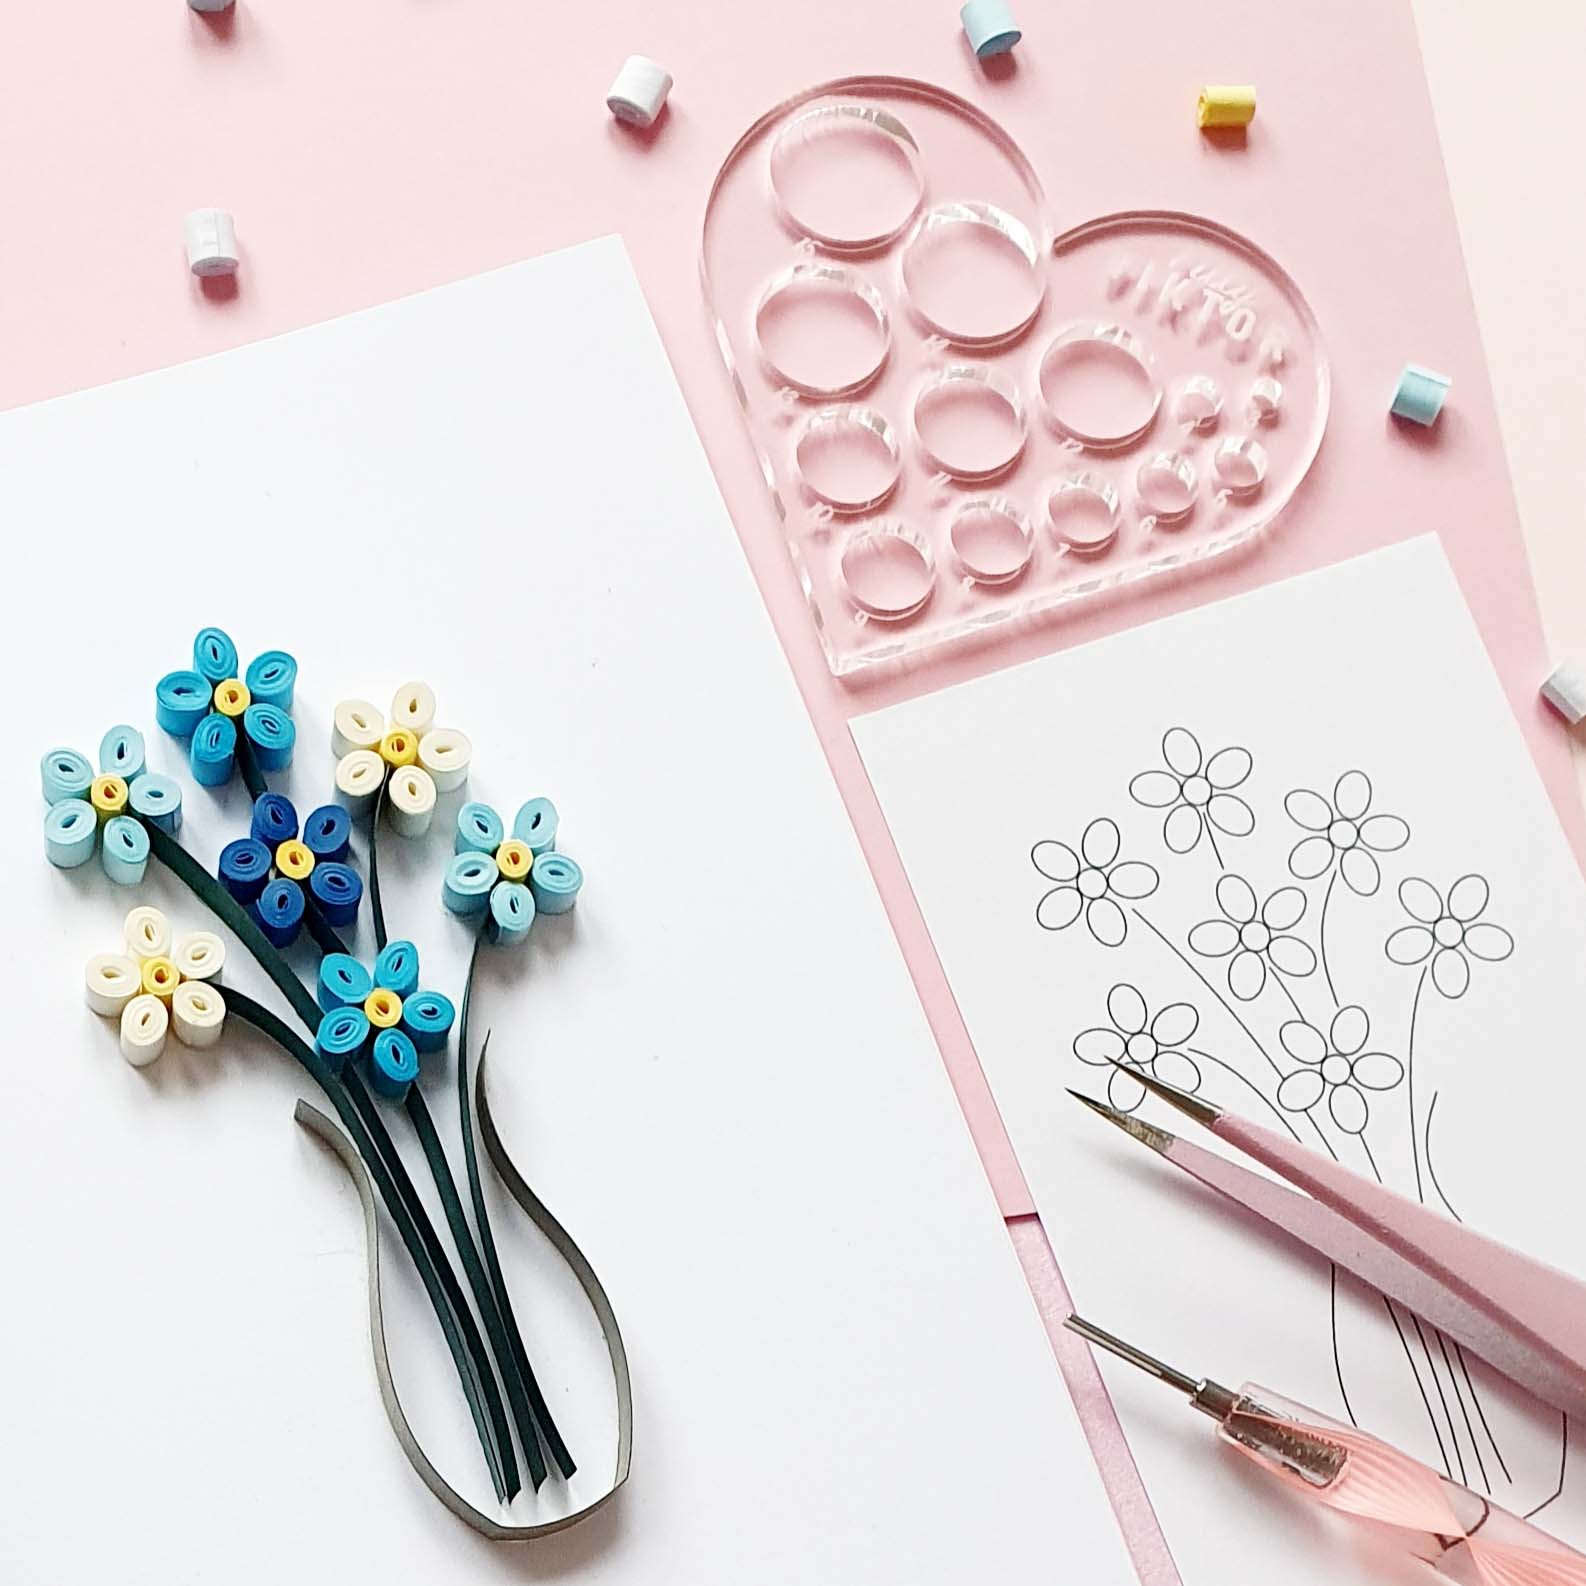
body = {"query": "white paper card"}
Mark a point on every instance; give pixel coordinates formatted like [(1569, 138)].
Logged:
[(715, 1071), (1287, 850)]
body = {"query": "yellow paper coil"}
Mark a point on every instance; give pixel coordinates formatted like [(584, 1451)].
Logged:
[(1226, 105)]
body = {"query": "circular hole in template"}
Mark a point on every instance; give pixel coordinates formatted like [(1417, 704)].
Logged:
[(1240, 465), (822, 330), (847, 176), (1097, 385), (1166, 486), (968, 423), (888, 572), (848, 458), (1083, 512), (992, 542), (1198, 402), (973, 273)]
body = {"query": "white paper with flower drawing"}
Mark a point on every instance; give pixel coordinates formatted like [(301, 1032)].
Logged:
[(1288, 851)]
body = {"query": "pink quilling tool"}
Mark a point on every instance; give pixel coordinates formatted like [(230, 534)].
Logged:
[(1464, 1538)]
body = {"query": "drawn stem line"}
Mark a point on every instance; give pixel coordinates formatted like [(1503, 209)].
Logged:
[(1415, 1371), (1470, 1431), (1250, 1085), (1321, 937), (1409, 1076), (1283, 986)]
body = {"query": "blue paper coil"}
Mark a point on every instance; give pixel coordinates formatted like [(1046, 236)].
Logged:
[(181, 701), (274, 820), (340, 1035), (244, 868), (511, 913), (479, 830), (271, 679), (535, 824), (121, 753), (70, 829), (393, 1065), (427, 1017), (397, 968), (989, 26), (279, 911), (338, 890), (343, 982), (125, 850), (272, 735), (1420, 394), (214, 655), (158, 799), (66, 775), (214, 750), (469, 878), (326, 832), (555, 881)]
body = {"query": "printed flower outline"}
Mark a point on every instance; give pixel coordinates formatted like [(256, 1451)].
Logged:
[(205, 703), (1255, 939), (381, 1013), (1337, 1066), (508, 881), (1196, 792), (405, 753), (105, 812), (1450, 933), (156, 984), (1090, 882), (1136, 1040), (1343, 831)]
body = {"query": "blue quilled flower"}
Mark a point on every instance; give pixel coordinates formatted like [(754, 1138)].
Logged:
[(381, 1013), (509, 880), (205, 705), (278, 871), (104, 811)]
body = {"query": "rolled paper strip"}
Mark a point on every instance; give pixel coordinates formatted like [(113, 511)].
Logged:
[(397, 968), (427, 1017), (989, 27), (337, 890), (210, 234), (244, 868), (511, 913), (146, 932), (160, 978), (274, 819), (555, 881), (214, 655), (536, 824), (181, 701), (124, 853), (1419, 395), (272, 735), (413, 708), (271, 678), (294, 860), (340, 1035), (279, 910), (198, 1013), (158, 799), (121, 751), (445, 753), (1565, 690), (469, 878), (383, 1008), (360, 774), (410, 800), (108, 795), (393, 1065), (232, 697), (199, 955), (638, 92), (399, 747), (70, 831), (66, 775), (1225, 105), (326, 831), (479, 830), (213, 751), (110, 982), (355, 725), (513, 859), (144, 1022), (343, 982)]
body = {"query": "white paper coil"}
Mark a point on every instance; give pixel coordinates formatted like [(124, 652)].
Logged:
[(356, 725), (199, 955), (445, 754), (198, 1012), (639, 91), (410, 800), (211, 237), (413, 708), (360, 775), (147, 933), (110, 982), (144, 1022)]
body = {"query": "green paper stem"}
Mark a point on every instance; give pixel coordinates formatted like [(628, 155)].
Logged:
[(323, 932), (376, 908), (248, 764)]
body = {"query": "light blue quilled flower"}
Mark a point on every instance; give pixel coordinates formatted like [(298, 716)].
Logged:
[(508, 880), (105, 812), (207, 703), (382, 1015)]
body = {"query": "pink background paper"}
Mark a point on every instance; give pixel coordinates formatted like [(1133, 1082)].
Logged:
[(371, 148)]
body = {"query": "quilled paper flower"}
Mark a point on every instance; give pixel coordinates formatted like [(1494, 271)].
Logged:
[(1343, 832), (509, 880), (276, 870), (382, 1013), (1449, 933), (89, 811), (156, 985), (206, 704), (1090, 882), (408, 755)]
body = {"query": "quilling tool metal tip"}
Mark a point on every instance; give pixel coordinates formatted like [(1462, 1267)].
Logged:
[(1145, 1133)]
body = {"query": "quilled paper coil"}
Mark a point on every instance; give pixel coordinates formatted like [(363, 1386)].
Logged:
[(555, 881), (1565, 690), (272, 735), (159, 977), (469, 878), (294, 860), (199, 955), (413, 708), (214, 750), (66, 775), (124, 850), (513, 859), (393, 1065), (108, 795), (144, 1022), (158, 800), (340, 1035), (511, 913), (399, 747), (214, 655), (638, 91), (232, 697), (410, 800), (271, 678), (210, 6), (244, 868), (427, 1017), (382, 1008), (360, 774), (71, 830), (147, 933), (397, 968), (110, 982), (343, 982), (327, 831), (274, 820), (536, 824), (198, 1014), (121, 752), (479, 830), (337, 890), (279, 910), (1226, 105), (355, 725), (1419, 395), (445, 753), (989, 27), (210, 234), (181, 701)]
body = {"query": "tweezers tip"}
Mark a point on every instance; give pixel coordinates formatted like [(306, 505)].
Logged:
[(1146, 1133)]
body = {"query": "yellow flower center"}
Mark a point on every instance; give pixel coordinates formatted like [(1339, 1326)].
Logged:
[(514, 859), (232, 697), (108, 796), (160, 978), (294, 860), (383, 1008), (399, 747)]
